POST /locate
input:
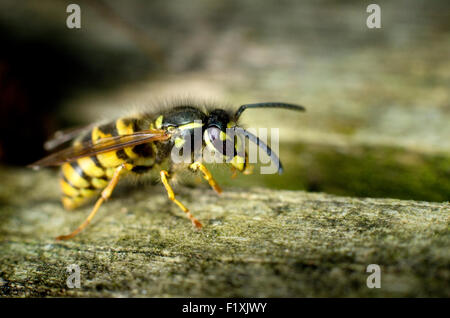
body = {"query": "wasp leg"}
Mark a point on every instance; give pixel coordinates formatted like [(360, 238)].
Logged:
[(106, 193), (207, 175), (248, 170), (164, 175), (233, 173)]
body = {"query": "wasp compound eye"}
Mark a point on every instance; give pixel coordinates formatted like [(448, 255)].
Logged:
[(221, 142), (214, 137)]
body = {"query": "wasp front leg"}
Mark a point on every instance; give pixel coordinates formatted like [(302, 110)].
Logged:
[(207, 175), (164, 175)]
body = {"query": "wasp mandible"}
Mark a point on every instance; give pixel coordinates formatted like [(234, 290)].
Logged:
[(101, 154)]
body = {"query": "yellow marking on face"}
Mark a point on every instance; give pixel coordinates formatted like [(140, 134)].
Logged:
[(67, 189), (73, 177), (158, 122), (90, 168), (208, 141), (213, 149), (99, 183), (179, 142)]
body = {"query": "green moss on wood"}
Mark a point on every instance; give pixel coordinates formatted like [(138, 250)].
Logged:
[(256, 242)]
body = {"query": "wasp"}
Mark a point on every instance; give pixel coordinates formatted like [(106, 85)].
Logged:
[(101, 154)]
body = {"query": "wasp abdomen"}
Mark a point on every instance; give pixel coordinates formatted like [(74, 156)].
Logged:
[(78, 184), (86, 177)]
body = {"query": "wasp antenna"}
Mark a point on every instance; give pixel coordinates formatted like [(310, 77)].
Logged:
[(267, 105), (273, 157)]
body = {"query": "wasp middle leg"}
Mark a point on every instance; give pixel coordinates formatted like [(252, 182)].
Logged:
[(106, 193), (164, 175), (207, 175)]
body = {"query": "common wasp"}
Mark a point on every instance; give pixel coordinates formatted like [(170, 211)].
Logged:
[(100, 154)]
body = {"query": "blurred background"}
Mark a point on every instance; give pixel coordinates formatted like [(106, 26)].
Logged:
[(378, 106)]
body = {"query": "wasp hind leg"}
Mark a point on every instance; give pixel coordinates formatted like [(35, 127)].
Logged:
[(207, 175), (106, 193), (164, 175)]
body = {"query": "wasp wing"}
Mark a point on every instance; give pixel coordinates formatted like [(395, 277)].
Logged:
[(62, 136), (90, 148)]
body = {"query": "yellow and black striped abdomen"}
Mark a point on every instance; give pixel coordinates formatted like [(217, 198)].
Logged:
[(84, 178), (81, 180)]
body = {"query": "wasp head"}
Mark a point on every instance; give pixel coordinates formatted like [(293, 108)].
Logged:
[(220, 137), (219, 132)]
